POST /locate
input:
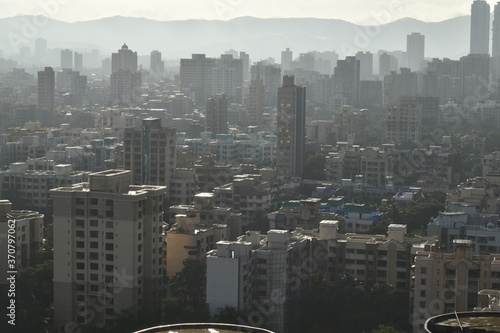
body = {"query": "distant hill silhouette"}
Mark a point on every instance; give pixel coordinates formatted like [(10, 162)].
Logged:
[(261, 38)]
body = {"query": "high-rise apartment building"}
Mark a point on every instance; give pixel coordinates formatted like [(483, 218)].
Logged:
[(108, 250), (196, 78), (351, 124), (66, 58), (286, 59), (495, 52), (365, 65), (475, 77), (227, 78), (216, 117), (156, 64), (245, 57), (291, 128), (263, 264), (270, 75), (447, 282), (346, 80), (125, 79), (404, 120), (78, 61), (400, 84), (415, 50), (480, 28), (46, 90), (40, 50), (387, 64), (255, 105), (149, 152)]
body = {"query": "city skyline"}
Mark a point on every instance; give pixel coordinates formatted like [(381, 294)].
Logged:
[(374, 13)]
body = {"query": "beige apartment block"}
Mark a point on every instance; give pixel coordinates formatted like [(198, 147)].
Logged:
[(108, 249)]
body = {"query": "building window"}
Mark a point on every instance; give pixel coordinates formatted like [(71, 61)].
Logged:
[(80, 265), (94, 266), (423, 282), (94, 245)]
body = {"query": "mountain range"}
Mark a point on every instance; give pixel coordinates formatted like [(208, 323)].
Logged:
[(261, 38)]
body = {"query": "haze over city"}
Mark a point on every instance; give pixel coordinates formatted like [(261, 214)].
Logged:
[(371, 13), (249, 166)]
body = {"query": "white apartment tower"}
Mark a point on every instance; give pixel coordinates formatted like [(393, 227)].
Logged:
[(107, 250), (415, 50), (480, 27)]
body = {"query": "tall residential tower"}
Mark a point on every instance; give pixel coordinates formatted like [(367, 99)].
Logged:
[(480, 28), (291, 121)]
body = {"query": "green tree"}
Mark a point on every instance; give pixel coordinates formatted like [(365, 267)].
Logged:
[(188, 285), (385, 329)]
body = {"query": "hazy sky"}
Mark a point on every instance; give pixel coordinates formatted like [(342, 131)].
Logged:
[(357, 11)]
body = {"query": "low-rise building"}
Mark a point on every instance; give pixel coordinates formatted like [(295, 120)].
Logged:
[(21, 237)]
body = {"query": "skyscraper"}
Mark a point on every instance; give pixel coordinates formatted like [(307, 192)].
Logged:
[(125, 79), (107, 249), (78, 61), (496, 31), (227, 78), (475, 77), (365, 65), (217, 114), (291, 122), (255, 105), (480, 27), (196, 77), (46, 89), (495, 63), (286, 59), (156, 64), (66, 58), (40, 50), (415, 50), (270, 75), (404, 120), (149, 152), (347, 77)]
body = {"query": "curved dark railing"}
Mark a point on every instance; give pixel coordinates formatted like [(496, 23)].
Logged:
[(432, 324), (216, 326)]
